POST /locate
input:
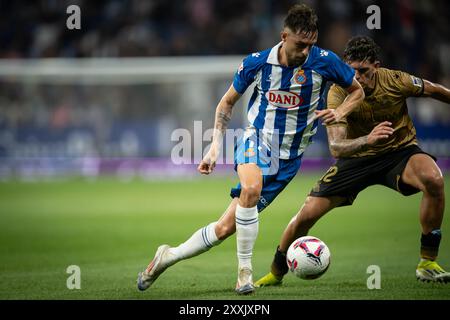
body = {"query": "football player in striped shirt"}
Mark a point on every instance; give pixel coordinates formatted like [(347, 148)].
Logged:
[(283, 114)]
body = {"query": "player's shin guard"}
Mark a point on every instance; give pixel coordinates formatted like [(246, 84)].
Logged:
[(246, 232), (279, 266), (202, 240), (430, 244)]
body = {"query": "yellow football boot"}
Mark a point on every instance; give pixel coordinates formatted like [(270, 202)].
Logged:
[(269, 280), (430, 271)]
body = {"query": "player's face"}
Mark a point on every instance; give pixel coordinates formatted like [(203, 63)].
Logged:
[(297, 46), (365, 72)]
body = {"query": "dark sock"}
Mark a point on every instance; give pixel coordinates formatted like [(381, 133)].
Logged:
[(430, 244), (279, 265)]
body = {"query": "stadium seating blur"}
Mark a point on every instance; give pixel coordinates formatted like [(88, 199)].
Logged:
[(51, 120)]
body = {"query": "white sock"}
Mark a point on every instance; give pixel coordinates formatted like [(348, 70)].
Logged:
[(202, 240), (246, 232)]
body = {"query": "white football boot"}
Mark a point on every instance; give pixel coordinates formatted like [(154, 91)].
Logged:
[(162, 260), (244, 283)]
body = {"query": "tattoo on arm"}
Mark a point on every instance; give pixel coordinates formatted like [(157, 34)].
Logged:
[(340, 146), (222, 120), (223, 117)]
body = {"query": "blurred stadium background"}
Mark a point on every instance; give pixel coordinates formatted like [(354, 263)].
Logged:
[(81, 110), (105, 99)]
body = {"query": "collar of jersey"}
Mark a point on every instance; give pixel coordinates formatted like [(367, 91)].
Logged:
[(375, 88), (273, 57)]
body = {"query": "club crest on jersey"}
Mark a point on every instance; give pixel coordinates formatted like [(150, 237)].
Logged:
[(283, 99), (250, 152), (416, 81), (300, 77)]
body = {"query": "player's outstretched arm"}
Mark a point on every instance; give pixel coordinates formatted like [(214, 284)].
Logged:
[(341, 147), (223, 117), (353, 100), (436, 91)]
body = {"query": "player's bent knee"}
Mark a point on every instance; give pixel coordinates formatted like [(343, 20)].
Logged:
[(250, 195), (306, 219), (223, 231), (434, 185), (309, 213)]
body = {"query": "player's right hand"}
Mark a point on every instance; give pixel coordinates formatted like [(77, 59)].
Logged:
[(208, 163), (380, 132), (328, 116)]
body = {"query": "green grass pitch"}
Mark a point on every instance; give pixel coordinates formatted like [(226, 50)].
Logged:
[(111, 230)]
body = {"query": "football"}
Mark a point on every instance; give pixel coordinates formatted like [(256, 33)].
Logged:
[(308, 257)]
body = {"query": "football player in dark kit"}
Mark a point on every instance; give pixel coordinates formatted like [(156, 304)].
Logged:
[(375, 144)]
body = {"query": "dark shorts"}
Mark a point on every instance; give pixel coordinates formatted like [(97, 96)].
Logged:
[(347, 177)]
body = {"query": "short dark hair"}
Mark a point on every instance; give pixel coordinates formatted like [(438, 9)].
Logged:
[(362, 48), (301, 18)]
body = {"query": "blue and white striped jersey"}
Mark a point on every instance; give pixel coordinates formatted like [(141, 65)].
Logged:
[(285, 98)]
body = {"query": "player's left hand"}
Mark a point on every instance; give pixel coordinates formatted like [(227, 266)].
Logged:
[(328, 116)]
